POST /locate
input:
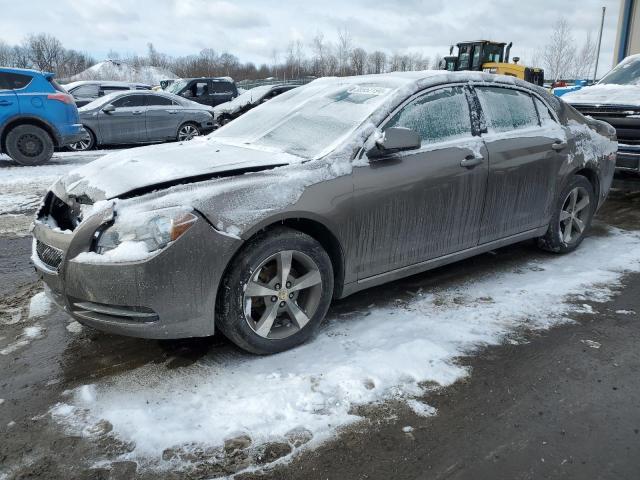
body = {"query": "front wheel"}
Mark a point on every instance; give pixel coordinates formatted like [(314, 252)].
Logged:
[(187, 132), (29, 145), (276, 292), (572, 217), (87, 143)]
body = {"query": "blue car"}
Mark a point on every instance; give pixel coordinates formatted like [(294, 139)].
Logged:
[(36, 115)]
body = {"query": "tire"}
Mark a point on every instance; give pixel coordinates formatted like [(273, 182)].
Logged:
[(572, 217), (279, 317), (29, 145), (224, 120), (88, 143), (188, 131)]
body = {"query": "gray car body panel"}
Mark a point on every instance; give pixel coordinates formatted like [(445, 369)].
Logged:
[(144, 124), (387, 218)]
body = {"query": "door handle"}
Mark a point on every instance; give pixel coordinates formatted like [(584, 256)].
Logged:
[(559, 145), (471, 161), (5, 103), (137, 112), (172, 112)]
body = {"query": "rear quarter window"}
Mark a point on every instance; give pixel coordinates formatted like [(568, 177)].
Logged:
[(14, 81)]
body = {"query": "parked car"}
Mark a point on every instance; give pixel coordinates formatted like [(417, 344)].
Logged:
[(142, 117), (208, 91), (87, 91), (616, 100), (337, 186), (225, 112), (36, 115)]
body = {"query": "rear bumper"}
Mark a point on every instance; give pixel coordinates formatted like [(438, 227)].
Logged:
[(73, 134), (628, 158)]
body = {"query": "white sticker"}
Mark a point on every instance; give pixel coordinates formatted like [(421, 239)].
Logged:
[(362, 90)]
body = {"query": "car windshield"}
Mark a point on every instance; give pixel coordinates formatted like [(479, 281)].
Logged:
[(309, 121), (252, 95), (626, 72), (176, 86)]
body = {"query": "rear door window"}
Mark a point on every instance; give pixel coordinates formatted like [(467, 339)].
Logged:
[(130, 101), (543, 112), (85, 91), (13, 81), (436, 116), (157, 101), (506, 109), (221, 87)]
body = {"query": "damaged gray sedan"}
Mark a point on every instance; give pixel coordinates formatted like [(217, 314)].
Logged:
[(328, 189)]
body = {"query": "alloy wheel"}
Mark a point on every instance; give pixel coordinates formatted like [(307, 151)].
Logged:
[(187, 132), (282, 294), (81, 145), (574, 215), (30, 145)]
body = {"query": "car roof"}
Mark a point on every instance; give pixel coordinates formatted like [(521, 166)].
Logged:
[(106, 83), (216, 79), (27, 71)]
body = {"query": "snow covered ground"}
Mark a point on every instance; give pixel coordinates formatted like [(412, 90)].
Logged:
[(22, 188), (382, 353)]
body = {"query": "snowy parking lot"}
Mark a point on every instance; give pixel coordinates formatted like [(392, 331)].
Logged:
[(201, 408)]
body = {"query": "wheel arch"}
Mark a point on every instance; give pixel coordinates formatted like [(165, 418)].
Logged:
[(316, 230), (592, 175), (36, 122)]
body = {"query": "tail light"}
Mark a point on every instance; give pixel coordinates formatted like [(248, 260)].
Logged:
[(61, 97)]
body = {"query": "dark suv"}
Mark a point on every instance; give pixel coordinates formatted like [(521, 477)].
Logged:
[(36, 115), (208, 91)]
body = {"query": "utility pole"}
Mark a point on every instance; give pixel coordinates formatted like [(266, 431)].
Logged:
[(595, 70)]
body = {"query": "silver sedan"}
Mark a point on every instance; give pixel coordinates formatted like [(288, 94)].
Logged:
[(137, 117)]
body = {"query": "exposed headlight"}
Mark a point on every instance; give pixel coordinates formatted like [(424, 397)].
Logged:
[(155, 228)]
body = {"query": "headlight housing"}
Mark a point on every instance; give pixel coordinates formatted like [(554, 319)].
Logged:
[(156, 228)]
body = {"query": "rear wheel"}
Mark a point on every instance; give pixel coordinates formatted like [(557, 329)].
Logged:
[(276, 292), (87, 143), (187, 132), (572, 217), (29, 145)]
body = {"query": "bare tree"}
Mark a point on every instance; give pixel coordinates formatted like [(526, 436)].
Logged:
[(358, 61), (319, 53), (559, 54), (377, 62), (6, 53), (438, 62), (585, 58), (45, 51), (344, 50)]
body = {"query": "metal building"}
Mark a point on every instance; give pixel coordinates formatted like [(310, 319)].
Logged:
[(628, 38)]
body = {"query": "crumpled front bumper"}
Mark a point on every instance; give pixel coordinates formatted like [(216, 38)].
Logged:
[(169, 295)]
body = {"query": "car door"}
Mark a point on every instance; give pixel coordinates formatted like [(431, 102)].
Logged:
[(163, 117), (524, 159), (8, 99), (220, 92), (126, 124), (421, 204)]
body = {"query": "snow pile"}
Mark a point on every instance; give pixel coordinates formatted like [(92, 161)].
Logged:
[(39, 305), (127, 251), (370, 356), (120, 71), (605, 94)]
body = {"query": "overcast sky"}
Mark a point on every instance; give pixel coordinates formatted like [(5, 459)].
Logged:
[(251, 29)]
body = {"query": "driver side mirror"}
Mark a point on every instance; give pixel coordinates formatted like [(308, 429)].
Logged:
[(395, 139), (109, 108)]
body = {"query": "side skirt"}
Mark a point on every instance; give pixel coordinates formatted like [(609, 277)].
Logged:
[(416, 268)]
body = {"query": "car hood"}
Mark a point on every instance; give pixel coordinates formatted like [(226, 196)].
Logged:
[(141, 170), (228, 107), (605, 94)]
